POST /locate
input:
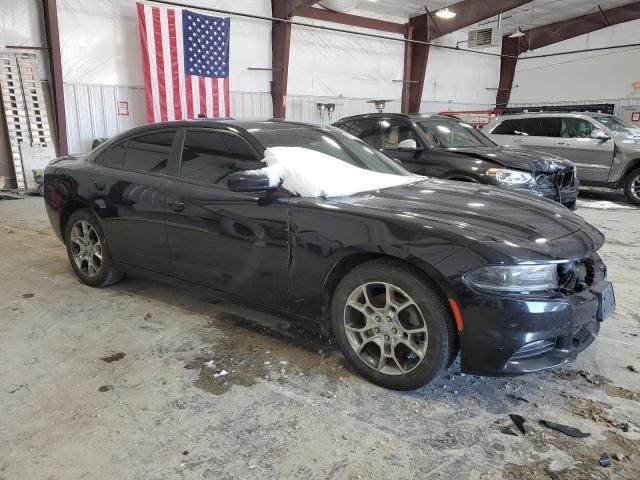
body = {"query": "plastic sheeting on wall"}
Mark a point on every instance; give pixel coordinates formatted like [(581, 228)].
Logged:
[(327, 63), (21, 23), (100, 42)]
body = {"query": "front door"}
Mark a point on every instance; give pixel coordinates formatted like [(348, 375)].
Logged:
[(237, 243), (593, 158)]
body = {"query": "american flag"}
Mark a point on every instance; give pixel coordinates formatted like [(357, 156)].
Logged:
[(185, 60)]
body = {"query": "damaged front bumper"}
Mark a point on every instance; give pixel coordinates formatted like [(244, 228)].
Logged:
[(554, 182), (511, 335)]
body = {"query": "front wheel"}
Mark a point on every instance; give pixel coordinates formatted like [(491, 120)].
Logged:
[(393, 327), (632, 187), (88, 251)]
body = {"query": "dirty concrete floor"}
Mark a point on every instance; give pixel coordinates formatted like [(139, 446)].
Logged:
[(125, 382)]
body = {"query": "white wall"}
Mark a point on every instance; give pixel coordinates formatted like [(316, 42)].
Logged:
[(461, 77), (326, 63), (100, 42), (608, 74), (21, 24)]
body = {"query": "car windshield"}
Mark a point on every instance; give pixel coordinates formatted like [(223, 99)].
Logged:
[(619, 127), (333, 142), (451, 133)]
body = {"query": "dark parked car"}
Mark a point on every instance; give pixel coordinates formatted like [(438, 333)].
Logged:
[(446, 147), (404, 276)]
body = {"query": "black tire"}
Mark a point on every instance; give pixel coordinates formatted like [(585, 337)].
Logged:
[(106, 273), (441, 343), (631, 184)]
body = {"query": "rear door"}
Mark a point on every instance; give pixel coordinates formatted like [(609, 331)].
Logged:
[(592, 158), (535, 133), (130, 199), (237, 243)]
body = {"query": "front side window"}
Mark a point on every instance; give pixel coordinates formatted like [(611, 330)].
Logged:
[(210, 157), (149, 153), (575, 128), (449, 133), (392, 132)]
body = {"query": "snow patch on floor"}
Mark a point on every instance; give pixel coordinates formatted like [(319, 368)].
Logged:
[(601, 205), (309, 173)]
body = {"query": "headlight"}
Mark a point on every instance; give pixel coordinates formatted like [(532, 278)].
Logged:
[(515, 278), (511, 177)]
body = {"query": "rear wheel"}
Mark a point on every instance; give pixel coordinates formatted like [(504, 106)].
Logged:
[(632, 187), (88, 251), (393, 328)]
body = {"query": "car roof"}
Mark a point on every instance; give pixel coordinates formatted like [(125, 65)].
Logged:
[(410, 116), (555, 114), (220, 123)]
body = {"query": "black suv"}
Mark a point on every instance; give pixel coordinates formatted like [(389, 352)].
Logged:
[(446, 147)]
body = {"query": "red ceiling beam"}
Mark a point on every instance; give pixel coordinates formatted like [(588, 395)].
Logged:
[(427, 27), (352, 20), (553, 33), (280, 47), (55, 62)]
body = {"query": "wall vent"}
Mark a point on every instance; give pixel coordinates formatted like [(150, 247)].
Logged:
[(485, 37)]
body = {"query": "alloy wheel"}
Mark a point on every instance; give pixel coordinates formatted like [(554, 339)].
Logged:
[(385, 328), (86, 248), (635, 187)]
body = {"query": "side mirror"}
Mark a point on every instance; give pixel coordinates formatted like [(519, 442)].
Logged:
[(408, 145), (600, 135), (248, 183)]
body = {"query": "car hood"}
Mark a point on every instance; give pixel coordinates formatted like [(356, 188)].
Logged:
[(482, 212), (529, 160)]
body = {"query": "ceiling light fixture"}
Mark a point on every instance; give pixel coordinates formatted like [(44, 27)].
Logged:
[(445, 13)]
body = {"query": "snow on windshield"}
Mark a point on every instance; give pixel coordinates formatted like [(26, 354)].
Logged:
[(310, 173)]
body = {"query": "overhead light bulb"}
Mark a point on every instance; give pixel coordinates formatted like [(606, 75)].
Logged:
[(517, 34), (445, 13)]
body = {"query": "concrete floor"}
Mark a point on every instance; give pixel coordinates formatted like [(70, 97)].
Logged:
[(289, 408)]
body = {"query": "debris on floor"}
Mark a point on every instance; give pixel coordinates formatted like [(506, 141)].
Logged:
[(113, 358), (518, 421), (605, 461), (567, 430), (508, 431), (28, 295), (105, 388), (631, 368)]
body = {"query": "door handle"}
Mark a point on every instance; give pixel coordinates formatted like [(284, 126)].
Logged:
[(99, 185), (564, 143), (177, 206)]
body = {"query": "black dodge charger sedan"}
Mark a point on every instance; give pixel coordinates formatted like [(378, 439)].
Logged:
[(446, 147), (405, 276)]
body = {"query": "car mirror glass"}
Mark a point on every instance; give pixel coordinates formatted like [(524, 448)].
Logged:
[(248, 182), (408, 145)]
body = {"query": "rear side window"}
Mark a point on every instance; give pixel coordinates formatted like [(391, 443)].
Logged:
[(115, 156), (366, 130), (539, 127), (531, 127), (508, 127), (149, 153), (209, 157)]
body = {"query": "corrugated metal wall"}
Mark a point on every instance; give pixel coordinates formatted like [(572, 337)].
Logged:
[(92, 110)]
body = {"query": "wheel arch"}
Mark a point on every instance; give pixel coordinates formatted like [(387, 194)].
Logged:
[(68, 209), (422, 269), (631, 166)]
